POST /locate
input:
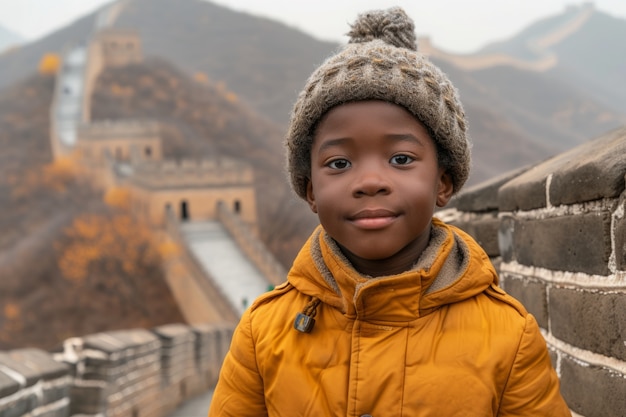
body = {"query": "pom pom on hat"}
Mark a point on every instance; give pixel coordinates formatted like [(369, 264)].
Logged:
[(393, 26), (380, 62)]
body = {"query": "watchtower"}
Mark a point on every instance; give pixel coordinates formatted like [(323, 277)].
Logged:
[(118, 47), (192, 189)]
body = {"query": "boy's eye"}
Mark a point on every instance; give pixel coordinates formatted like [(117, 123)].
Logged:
[(339, 164), (401, 160)]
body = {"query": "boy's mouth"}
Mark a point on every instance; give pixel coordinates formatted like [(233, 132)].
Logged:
[(373, 219)]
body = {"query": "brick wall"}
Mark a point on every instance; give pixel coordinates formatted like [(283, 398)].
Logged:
[(124, 373), (557, 233)]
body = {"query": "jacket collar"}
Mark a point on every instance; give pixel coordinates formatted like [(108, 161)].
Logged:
[(452, 268)]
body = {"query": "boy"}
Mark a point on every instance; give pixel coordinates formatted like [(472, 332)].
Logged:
[(386, 311)]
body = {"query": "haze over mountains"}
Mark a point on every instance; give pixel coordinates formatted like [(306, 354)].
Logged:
[(9, 39), (516, 115), (224, 82)]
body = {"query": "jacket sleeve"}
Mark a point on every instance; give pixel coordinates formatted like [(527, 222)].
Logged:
[(239, 389), (532, 388)]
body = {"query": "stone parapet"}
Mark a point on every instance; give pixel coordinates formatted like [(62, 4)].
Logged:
[(219, 172), (560, 229), (589, 172), (33, 383), (123, 373), (128, 128)]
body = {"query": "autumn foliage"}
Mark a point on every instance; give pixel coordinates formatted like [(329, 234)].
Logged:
[(57, 177), (49, 64), (107, 245)]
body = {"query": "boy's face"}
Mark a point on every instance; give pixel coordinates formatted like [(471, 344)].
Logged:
[(374, 184)]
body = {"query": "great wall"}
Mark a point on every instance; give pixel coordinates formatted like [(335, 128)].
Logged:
[(556, 232), (543, 58)]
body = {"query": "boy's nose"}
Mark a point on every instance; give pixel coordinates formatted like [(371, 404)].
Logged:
[(371, 182)]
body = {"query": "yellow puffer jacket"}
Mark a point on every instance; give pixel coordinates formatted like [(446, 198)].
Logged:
[(441, 340)]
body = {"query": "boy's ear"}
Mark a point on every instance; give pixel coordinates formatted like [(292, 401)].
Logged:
[(446, 188), (310, 197)]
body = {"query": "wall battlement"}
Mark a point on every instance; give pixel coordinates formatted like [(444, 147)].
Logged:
[(118, 47), (123, 373), (216, 172), (479, 62), (557, 233), (109, 129)]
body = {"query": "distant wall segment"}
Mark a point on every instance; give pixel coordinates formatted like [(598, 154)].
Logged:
[(557, 232), (124, 373)]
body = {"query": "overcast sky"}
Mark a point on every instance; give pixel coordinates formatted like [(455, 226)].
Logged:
[(454, 25)]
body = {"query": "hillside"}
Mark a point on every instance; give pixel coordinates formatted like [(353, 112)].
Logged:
[(260, 59), (62, 248), (546, 109), (20, 62), (64, 242)]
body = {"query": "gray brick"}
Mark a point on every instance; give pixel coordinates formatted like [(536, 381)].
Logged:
[(18, 407), (122, 343), (58, 411), (33, 364), (30, 376), (595, 170), (42, 362), (8, 385), (526, 192), (486, 234), (591, 171), (55, 393), (484, 196), (593, 391), (532, 294), (88, 399), (174, 332), (580, 243), (591, 320)]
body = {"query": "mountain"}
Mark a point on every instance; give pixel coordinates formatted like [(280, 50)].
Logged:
[(9, 39), (18, 63), (260, 59), (547, 109), (586, 46)]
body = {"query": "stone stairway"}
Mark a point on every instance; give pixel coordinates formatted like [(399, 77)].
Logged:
[(237, 278)]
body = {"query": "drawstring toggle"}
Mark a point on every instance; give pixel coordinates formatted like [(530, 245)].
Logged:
[(305, 321)]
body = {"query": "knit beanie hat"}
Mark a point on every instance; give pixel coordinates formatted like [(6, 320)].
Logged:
[(381, 62)]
